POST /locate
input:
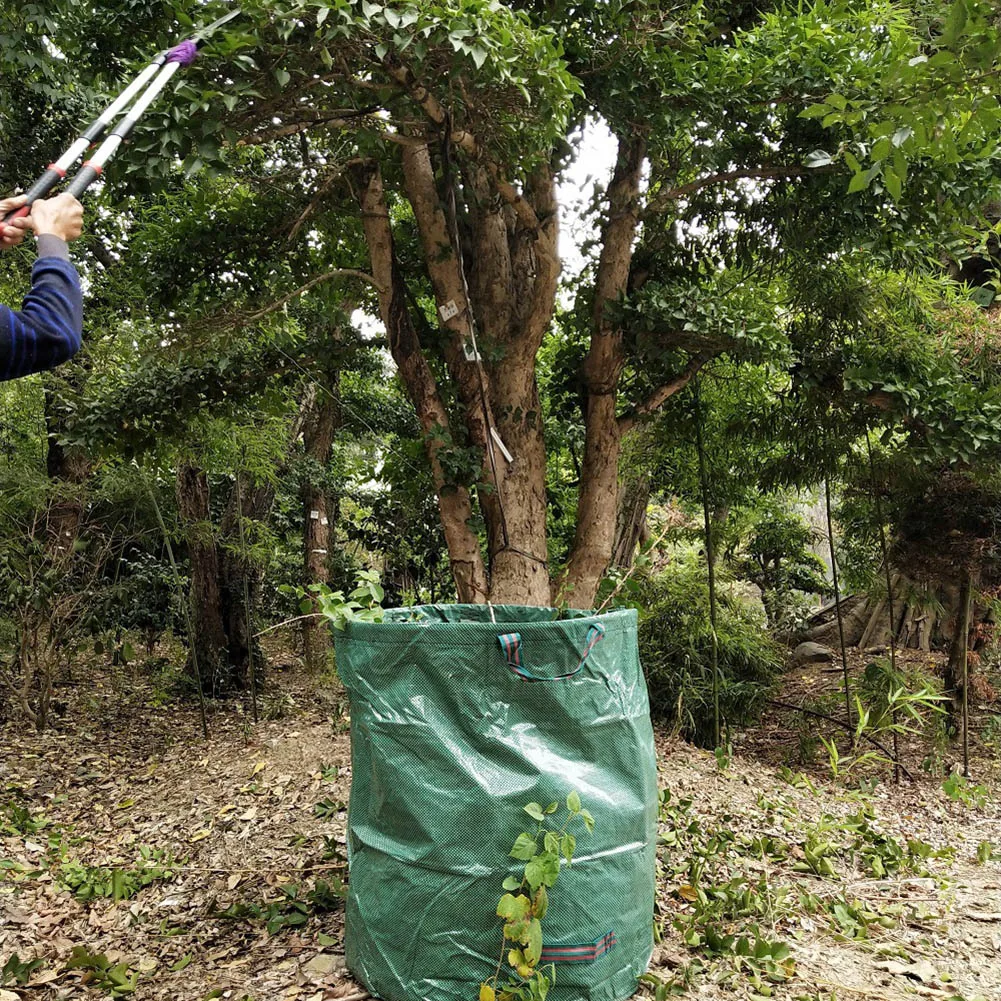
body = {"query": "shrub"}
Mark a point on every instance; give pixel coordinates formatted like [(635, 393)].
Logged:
[(676, 650)]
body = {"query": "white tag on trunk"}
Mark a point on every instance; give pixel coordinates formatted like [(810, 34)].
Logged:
[(448, 310), (315, 515)]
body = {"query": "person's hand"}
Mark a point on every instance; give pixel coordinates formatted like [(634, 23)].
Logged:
[(61, 216), (12, 233)]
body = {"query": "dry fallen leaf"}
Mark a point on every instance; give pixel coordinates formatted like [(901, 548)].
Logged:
[(921, 970)]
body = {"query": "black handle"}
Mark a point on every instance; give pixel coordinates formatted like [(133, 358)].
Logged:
[(83, 180), (42, 187)]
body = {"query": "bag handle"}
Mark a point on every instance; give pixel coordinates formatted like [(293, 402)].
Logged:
[(510, 644)]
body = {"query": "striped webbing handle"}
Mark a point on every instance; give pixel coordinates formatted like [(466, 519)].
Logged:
[(510, 644), (586, 953)]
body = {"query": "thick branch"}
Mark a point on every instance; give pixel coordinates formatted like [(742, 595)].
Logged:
[(465, 140), (338, 120), (444, 264), (660, 396), (596, 509)]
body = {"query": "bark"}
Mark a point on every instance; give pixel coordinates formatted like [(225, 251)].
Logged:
[(599, 483), (454, 503), (324, 417), (208, 645), (519, 570)]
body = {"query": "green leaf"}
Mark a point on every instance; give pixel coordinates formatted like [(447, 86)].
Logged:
[(818, 158), (859, 182), (892, 181), (569, 847), (511, 883), (534, 873), (573, 802), (588, 820), (524, 847), (541, 906), (881, 149), (955, 23), (815, 111), (534, 810)]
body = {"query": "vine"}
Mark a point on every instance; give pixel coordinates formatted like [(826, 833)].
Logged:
[(526, 902)]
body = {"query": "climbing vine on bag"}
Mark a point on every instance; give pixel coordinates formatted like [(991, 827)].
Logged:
[(526, 902)]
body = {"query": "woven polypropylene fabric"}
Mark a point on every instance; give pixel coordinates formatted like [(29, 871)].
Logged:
[(448, 746)]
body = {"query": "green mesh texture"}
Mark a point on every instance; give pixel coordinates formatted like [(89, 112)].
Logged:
[(448, 745)]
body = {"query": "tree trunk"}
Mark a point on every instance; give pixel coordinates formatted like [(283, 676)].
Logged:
[(208, 645), (958, 652), (454, 502), (511, 291), (324, 417), (68, 470), (597, 506), (239, 579)]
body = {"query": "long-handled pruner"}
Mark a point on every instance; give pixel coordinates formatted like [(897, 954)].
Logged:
[(148, 86)]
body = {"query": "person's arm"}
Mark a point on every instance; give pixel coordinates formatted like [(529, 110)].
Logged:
[(48, 328)]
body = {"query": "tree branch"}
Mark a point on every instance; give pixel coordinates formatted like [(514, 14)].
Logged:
[(336, 273), (660, 395), (744, 173), (465, 140), (338, 119)]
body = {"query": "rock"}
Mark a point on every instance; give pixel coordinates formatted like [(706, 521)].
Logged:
[(811, 653), (325, 964)]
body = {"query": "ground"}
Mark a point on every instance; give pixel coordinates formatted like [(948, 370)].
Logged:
[(227, 855)]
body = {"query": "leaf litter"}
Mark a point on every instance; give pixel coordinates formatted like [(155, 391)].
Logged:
[(242, 870)]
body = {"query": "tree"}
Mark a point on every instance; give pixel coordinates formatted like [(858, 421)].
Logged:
[(451, 124), (447, 126)]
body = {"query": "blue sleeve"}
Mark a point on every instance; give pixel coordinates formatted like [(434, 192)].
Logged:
[(48, 329)]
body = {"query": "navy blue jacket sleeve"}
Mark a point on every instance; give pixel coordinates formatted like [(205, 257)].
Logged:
[(47, 330)]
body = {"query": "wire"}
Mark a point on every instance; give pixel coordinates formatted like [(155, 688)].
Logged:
[(453, 220)]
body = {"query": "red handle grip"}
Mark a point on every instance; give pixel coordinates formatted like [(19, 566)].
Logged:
[(21, 213)]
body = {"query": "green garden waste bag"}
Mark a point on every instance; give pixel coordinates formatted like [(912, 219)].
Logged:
[(458, 722)]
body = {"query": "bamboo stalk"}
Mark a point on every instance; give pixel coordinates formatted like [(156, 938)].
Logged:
[(710, 560), (884, 549), (246, 598), (837, 607)]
